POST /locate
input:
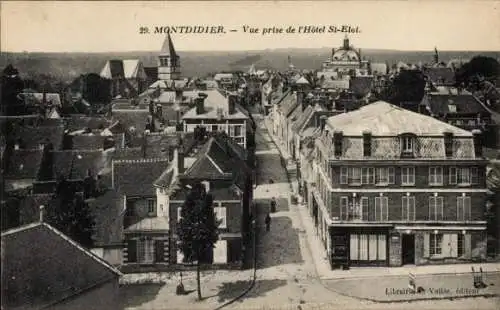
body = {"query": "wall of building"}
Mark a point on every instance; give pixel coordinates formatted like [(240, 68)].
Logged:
[(478, 200)]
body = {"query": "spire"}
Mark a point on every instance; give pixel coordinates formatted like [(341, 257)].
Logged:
[(436, 56), (346, 42), (168, 47)]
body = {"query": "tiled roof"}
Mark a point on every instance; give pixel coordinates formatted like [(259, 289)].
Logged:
[(453, 102), (170, 84), (214, 100), (136, 177), (159, 145), (112, 69), (132, 118), (166, 178), (384, 119), (435, 74), (81, 122), (151, 72), (335, 84), (37, 270), (302, 80), (95, 142), (149, 224), (306, 117), (133, 69), (76, 163), (32, 137), (287, 103), (23, 164)]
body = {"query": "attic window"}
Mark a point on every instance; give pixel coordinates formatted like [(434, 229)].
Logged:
[(408, 145)]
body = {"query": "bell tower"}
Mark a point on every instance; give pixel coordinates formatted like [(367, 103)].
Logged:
[(169, 64)]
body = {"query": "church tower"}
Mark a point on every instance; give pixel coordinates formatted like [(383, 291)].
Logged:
[(346, 43), (169, 64)]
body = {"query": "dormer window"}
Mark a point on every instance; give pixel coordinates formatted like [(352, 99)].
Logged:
[(408, 145)]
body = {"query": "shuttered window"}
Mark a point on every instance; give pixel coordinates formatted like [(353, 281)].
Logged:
[(364, 247), (463, 208)]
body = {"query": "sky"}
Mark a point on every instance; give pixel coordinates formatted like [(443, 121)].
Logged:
[(99, 26)]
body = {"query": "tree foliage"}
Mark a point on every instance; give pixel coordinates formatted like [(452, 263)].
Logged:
[(12, 85), (70, 214), (407, 86), (197, 229), (479, 67)]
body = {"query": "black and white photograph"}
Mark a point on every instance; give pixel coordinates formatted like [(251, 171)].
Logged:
[(260, 155)]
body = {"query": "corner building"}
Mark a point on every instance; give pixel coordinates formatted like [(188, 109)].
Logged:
[(393, 187)]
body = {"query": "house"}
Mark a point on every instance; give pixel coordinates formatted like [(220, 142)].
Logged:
[(227, 81), (440, 76), (396, 187), (457, 107), (40, 275), (216, 112), (146, 227), (127, 77), (379, 68), (282, 110), (220, 165)]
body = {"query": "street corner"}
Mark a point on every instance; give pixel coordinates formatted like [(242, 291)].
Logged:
[(407, 289)]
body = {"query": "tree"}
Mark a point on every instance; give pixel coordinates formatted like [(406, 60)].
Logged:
[(479, 67), (69, 213), (12, 85), (197, 229), (407, 86)]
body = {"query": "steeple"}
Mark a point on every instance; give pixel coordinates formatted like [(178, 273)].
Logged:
[(168, 61), (436, 56), (346, 42)]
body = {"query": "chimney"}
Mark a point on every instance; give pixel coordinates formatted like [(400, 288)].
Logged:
[(322, 122), (231, 101), (448, 144), (478, 145), (42, 213), (200, 103), (367, 144), (337, 143), (180, 158)]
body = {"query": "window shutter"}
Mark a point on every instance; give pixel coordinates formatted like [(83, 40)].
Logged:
[(364, 207), (179, 213), (343, 175), (385, 214), (220, 252), (454, 245), (412, 208), (404, 208), (377, 209), (441, 206), (180, 257), (426, 245), (343, 208), (159, 251), (131, 251), (474, 176), (460, 207), (467, 246), (467, 208)]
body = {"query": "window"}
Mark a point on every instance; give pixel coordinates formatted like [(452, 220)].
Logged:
[(151, 205), (215, 127), (364, 208), (220, 214), (356, 208), (435, 176), (435, 208), (435, 244), (384, 176), (179, 214), (381, 208), (355, 176), (408, 208), (343, 175), (363, 247), (237, 131), (460, 245), (474, 175), (367, 176), (145, 250), (463, 208), (408, 176), (463, 176), (407, 146)]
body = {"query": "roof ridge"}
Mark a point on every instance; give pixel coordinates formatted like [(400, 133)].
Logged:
[(139, 160)]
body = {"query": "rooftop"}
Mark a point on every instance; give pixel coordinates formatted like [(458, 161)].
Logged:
[(384, 119), (213, 102), (136, 177)]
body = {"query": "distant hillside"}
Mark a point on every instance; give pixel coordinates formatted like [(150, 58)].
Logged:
[(66, 66)]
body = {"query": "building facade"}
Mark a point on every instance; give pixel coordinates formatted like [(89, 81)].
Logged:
[(393, 187)]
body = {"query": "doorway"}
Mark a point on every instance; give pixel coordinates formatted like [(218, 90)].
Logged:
[(408, 249)]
